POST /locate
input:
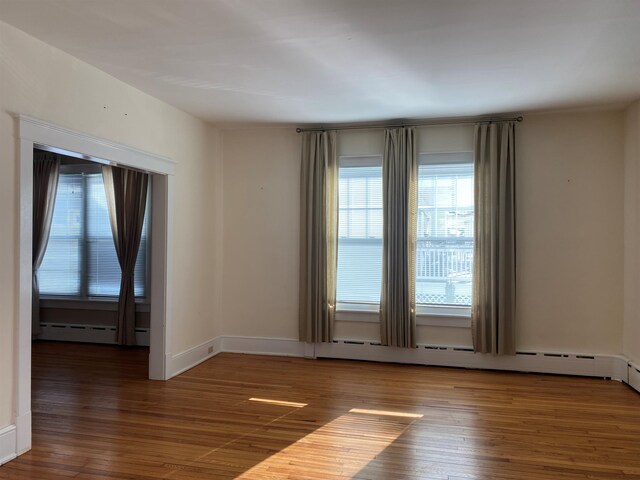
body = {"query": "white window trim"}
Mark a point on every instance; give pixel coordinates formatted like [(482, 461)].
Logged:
[(91, 303), (426, 315)]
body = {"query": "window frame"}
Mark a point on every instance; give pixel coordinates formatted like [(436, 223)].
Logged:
[(426, 314), (86, 169), (348, 309), (444, 158)]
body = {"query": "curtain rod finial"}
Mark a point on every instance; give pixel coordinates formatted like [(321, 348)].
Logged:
[(298, 130), (519, 119)]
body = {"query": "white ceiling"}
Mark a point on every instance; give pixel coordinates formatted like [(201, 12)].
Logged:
[(298, 61)]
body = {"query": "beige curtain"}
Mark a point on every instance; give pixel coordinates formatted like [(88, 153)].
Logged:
[(494, 262), (46, 169), (399, 179), (126, 192), (318, 236)]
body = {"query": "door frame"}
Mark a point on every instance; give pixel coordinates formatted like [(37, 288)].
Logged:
[(34, 132)]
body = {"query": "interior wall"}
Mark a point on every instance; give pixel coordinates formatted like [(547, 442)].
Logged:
[(569, 229), (632, 233), (41, 81), (569, 232)]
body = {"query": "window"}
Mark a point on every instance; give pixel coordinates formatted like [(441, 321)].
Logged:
[(81, 260), (444, 250), (360, 230)]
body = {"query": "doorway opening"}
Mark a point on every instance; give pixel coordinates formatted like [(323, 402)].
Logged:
[(88, 152)]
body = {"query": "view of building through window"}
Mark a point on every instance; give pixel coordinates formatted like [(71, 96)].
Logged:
[(444, 248)]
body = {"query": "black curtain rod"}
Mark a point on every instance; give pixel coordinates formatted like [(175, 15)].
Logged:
[(426, 123)]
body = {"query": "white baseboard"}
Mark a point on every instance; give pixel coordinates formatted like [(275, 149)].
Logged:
[(66, 332), (596, 365), (7, 443), (634, 376), (23, 433), (590, 365), (188, 359)]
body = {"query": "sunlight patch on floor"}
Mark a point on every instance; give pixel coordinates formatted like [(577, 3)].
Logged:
[(385, 412), (342, 447), (280, 403)]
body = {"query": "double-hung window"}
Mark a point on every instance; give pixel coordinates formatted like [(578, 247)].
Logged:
[(80, 260), (359, 233), (444, 249)]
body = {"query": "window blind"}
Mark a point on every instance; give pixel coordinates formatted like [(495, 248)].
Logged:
[(61, 268), (81, 258), (360, 230), (444, 249)]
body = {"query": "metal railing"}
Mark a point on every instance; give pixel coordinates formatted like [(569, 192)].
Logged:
[(443, 270)]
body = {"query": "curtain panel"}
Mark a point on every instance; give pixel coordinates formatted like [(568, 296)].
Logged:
[(318, 236), (494, 263), (399, 186), (126, 192), (46, 171)]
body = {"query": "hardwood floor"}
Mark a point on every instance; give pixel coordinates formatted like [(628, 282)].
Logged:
[(95, 416)]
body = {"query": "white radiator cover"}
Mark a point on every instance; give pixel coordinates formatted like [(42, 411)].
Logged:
[(67, 332), (615, 367), (7, 443), (634, 376)]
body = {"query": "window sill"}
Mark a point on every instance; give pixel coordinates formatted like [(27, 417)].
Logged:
[(431, 316), (91, 303)]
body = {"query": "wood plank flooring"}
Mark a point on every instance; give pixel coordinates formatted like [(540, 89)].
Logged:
[(95, 416)]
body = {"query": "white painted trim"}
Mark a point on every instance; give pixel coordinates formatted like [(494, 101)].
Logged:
[(23, 431), (7, 443), (35, 132), (22, 349), (595, 365), (634, 376), (160, 317), (40, 132), (109, 305), (453, 321), (422, 320), (190, 358), (74, 332)]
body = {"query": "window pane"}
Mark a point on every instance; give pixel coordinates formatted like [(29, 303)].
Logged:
[(102, 262), (444, 254), (360, 234), (103, 269), (140, 272), (61, 269)]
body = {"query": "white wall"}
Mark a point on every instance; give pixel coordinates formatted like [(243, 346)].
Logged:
[(261, 221), (632, 233), (569, 231), (41, 81)]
